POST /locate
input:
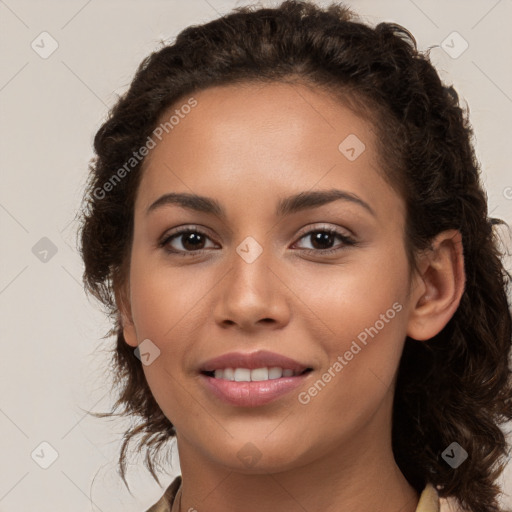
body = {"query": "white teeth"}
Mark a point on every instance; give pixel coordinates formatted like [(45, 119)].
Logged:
[(258, 374), (275, 373), (229, 374), (242, 375)]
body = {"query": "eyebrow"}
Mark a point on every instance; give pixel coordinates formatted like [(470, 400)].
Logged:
[(286, 206)]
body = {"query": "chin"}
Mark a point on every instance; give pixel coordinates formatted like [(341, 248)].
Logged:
[(249, 456)]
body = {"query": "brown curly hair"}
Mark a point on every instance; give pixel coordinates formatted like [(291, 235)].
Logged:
[(454, 387)]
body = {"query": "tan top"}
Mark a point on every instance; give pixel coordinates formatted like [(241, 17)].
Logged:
[(170, 501)]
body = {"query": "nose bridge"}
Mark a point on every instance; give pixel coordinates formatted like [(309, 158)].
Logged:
[(250, 268), (250, 292)]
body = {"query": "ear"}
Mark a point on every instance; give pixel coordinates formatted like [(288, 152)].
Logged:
[(122, 296), (439, 286)]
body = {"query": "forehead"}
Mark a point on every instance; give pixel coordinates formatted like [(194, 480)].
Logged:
[(249, 142)]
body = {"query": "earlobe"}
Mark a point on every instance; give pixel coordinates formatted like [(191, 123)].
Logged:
[(442, 282), (123, 305), (130, 335)]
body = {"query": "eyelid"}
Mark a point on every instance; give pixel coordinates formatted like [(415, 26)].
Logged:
[(326, 227)]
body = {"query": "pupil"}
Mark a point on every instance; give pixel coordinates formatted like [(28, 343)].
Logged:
[(190, 238), (322, 237)]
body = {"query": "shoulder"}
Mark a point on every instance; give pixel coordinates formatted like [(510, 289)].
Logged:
[(450, 505), (430, 500), (164, 504)]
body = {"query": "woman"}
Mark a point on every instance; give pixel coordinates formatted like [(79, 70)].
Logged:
[(286, 220)]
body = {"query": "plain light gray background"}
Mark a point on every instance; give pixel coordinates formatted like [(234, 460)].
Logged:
[(53, 358)]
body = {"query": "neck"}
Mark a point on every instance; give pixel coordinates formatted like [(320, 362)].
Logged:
[(296, 493)]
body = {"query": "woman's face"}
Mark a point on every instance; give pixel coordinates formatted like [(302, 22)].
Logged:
[(256, 275)]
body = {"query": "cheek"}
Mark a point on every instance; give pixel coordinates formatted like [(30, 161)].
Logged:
[(166, 307), (163, 299), (342, 301), (361, 325)]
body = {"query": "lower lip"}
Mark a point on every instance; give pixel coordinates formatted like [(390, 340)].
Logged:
[(254, 393)]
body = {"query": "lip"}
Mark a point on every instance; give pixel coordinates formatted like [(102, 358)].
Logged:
[(251, 394), (254, 393), (252, 360)]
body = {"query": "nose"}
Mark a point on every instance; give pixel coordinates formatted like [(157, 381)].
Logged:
[(252, 295)]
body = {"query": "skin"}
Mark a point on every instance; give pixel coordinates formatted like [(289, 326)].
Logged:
[(248, 146)]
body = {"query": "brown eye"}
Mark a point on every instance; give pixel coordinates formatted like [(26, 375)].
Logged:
[(320, 238), (185, 241), (192, 240)]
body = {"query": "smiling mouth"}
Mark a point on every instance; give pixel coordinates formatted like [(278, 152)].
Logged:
[(254, 375)]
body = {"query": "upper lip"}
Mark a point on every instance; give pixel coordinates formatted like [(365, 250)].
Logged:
[(252, 360)]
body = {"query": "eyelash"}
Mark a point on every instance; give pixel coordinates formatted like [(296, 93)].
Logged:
[(347, 241)]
